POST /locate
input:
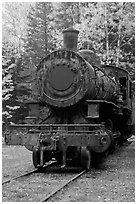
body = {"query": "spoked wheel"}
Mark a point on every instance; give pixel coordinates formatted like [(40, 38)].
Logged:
[(36, 157), (85, 158)]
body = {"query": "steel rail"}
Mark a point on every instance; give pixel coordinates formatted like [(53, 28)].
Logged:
[(44, 199), (28, 173), (23, 175)]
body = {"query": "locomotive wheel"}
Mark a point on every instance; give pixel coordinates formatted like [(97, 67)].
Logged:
[(36, 157), (85, 158)]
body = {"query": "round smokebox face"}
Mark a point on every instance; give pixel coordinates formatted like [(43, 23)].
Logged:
[(64, 81), (60, 78)]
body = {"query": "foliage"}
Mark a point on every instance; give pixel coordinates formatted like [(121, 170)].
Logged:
[(9, 105), (13, 34), (110, 29), (31, 30), (14, 23), (37, 46)]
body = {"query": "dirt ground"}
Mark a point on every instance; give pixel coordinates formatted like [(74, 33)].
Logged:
[(113, 180)]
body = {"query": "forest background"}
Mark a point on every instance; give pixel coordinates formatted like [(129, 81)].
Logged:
[(31, 30)]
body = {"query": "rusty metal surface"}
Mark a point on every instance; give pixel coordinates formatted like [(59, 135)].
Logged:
[(60, 136)]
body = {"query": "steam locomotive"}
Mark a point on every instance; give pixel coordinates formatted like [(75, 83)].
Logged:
[(83, 108)]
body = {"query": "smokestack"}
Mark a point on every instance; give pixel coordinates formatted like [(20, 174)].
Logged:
[(70, 39)]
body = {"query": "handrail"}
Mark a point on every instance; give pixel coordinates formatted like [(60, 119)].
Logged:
[(56, 125)]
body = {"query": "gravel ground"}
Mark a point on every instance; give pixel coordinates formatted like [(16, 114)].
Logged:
[(112, 181)]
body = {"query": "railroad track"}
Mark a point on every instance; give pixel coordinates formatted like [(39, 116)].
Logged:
[(27, 174), (41, 186), (23, 175), (44, 199)]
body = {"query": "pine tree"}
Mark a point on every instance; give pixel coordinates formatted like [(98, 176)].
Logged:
[(37, 46)]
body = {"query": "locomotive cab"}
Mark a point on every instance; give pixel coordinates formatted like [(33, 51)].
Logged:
[(127, 102), (125, 82)]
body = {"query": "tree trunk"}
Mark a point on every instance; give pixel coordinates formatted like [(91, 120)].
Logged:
[(46, 39), (118, 51), (119, 35), (106, 32)]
